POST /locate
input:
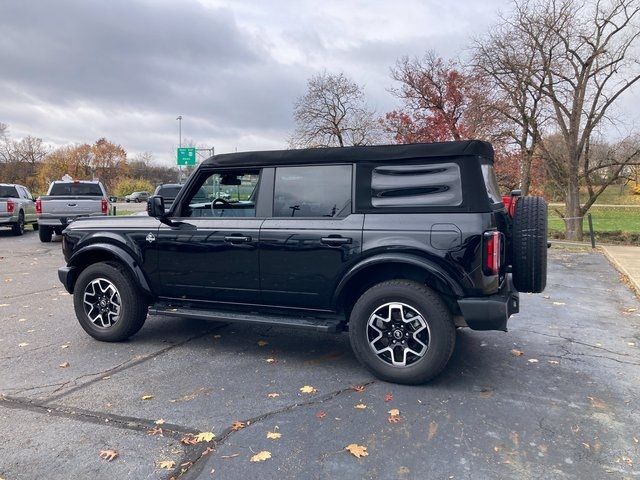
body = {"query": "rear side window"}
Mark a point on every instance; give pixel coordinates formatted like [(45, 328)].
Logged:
[(323, 191), (429, 185), (76, 189), (491, 182)]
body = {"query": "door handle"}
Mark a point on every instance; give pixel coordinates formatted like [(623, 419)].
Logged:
[(335, 240), (237, 239)]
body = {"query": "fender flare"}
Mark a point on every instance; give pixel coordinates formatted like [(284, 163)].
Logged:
[(406, 258), (121, 254)]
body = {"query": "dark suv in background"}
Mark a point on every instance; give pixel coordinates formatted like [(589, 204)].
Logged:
[(399, 245)]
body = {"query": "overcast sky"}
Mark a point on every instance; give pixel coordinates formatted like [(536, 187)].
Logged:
[(72, 71)]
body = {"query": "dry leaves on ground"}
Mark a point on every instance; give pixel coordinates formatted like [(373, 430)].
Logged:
[(270, 360), (360, 406), (23, 344), (159, 421), (188, 439), (146, 397), (204, 437), (358, 388), (64, 365), (517, 353), (273, 435), (108, 454), (308, 389), (388, 397), (273, 395), (394, 415), (235, 426), (261, 456), (155, 431), (597, 403), (533, 360), (357, 450), (262, 343), (321, 414), (167, 464)]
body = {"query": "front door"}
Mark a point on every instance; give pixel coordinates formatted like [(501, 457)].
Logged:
[(312, 237), (208, 248)]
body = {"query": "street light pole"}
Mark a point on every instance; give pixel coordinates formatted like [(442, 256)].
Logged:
[(179, 118)]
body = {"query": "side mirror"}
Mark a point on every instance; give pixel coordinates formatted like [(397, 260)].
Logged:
[(155, 206), (113, 199)]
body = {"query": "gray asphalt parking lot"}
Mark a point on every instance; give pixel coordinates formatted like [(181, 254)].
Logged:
[(556, 397)]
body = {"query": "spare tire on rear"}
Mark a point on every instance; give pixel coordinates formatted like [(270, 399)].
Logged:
[(529, 245)]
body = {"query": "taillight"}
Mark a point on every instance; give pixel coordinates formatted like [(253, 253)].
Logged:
[(492, 246), (10, 206), (38, 206), (105, 206)]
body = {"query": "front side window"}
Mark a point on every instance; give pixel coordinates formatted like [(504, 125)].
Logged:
[(224, 194), (321, 191)]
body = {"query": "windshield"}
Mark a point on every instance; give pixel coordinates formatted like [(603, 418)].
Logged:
[(169, 192), (7, 191), (76, 189)]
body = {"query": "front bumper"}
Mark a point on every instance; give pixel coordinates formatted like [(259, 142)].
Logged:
[(493, 311), (67, 276)]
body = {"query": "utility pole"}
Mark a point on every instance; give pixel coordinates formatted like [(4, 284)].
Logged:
[(179, 118)]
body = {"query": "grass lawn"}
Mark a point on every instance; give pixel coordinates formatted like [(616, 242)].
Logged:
[(605, 219)]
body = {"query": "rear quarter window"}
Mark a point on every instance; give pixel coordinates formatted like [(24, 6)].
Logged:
[(397, 186)]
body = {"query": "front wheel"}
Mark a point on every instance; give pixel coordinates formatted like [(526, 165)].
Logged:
[(402, 331), (108, 302), (45, 233)]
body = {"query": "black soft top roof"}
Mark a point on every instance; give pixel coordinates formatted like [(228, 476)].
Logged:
[(354, 154)]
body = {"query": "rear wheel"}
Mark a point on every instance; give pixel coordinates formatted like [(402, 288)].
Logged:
[(108, 303), (402, 331), (18, 227), (45, 233), (529, 245)]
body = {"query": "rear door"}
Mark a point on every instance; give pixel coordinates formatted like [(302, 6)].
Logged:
[(29, 207), (311, 237)]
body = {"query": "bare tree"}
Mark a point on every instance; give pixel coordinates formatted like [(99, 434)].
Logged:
[(333, 112), (511, 65), (585, 54), (3, 130)]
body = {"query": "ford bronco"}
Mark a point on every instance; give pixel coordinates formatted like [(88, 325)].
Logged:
[(398, 245)]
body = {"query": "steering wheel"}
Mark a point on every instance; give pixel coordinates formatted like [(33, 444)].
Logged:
[(223, 202)]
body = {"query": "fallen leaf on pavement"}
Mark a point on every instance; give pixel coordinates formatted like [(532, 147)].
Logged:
[(233, 455), (388, 397), (273, 395), (270, 360), (108, 455), (517, 353), (360, 406), (159, 422), (204, 437), (262, 343), (597, 403), (433, 429), (167, 464), (558, 303), (64, 346), (394, 415), (188, 439), (23, 344), (533, 360), (235, 426), (308, 389), (486, 393), (155, 431), (64, 365), (146, 397), (357, 450), (553, 362), (358, 388), (261, 456), (321, 414), (217, 336), (273, 435)]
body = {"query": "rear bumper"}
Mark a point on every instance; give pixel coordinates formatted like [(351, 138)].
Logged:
[(493, 311), (67, 276), (53, 222), (7, 220)]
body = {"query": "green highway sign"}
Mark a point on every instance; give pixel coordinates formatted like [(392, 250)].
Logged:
[(186, 156)]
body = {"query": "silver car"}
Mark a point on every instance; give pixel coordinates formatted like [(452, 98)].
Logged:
[(137, 197), (17, 208)]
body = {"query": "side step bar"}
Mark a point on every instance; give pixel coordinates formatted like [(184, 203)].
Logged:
[(321, 324)]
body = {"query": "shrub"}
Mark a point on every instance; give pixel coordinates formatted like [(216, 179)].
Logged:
[(635, 189), (128, 185)]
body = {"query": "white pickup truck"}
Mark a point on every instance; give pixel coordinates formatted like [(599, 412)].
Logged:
[(67, 200), (17, 208)]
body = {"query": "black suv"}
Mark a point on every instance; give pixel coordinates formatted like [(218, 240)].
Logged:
[(399, 245)]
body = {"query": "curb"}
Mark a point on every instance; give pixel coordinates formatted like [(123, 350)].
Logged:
[(633, 282)]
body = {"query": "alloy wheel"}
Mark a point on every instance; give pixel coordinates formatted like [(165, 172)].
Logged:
[(102, 302)]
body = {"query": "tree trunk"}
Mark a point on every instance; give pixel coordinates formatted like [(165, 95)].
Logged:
[(525, 173), (573, 218)]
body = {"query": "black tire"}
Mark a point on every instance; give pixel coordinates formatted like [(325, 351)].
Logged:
[(441, 329), (127, 200), (133, 305), (137, 200), (18, 227), (58, 230), (45, 233), (529, 245), (35, 226)]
